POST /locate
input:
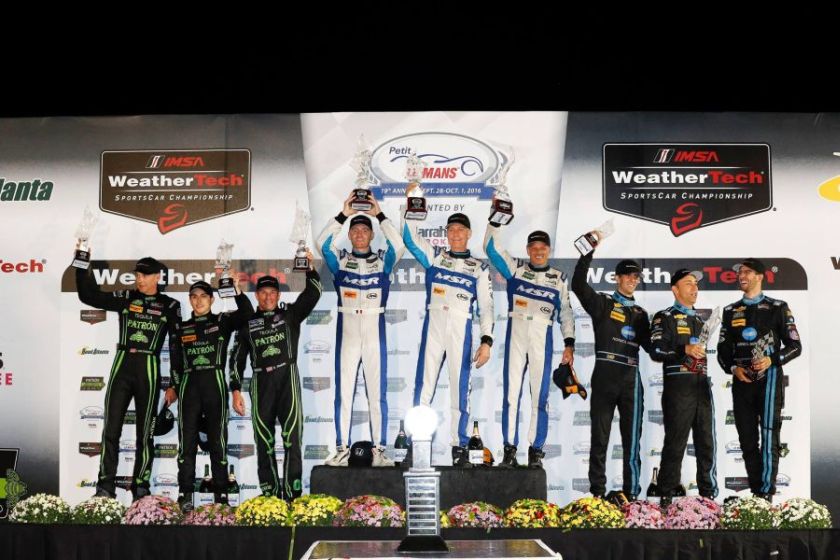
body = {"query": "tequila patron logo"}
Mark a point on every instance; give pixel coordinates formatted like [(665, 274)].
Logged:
[(687, 186), (175, 188), (11, 487)]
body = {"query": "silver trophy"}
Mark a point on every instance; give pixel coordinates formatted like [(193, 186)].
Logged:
[(300, 232), (416, 204), (502, 207), (712, 323), (223, 260), (364, 177), (759, 352), (587, 242), (81, 259)]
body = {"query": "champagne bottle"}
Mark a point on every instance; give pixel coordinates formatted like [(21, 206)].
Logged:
[(400, 445), (233, 489), (205, 488), (476, 447), (653, 494)]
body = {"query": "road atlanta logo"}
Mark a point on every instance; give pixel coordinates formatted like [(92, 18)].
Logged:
[(687, 186)]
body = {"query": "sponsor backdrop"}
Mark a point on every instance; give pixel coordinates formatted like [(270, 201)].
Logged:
[(684, 190)]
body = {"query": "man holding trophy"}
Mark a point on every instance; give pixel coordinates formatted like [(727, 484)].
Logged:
[(678, 340), (146, 317), (202, 389), (456, 283), (270, 338), (537, 297), (362, 281), (758, 336), (621, 327)]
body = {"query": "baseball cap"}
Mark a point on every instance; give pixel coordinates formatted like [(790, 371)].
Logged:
[(628, 266), (268, 282), (538, 235), (459, 218)]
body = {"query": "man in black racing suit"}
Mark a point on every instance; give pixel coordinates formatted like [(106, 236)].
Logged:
[(270, 338), (202, 389), (758, 336), (621, 327), (146, 316)]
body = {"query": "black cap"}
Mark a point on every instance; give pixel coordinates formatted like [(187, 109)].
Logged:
[(681, 273), (268, 282), (628, 266), (361, 454), (538, 235), (202, 285), (459, 218), (163, 422), (361, 219), (148, 265), (753, 264)]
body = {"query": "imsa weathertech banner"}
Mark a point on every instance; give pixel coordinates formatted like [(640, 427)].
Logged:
[(687, 186), (175, 188)]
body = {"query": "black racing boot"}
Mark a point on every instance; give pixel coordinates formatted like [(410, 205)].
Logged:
[(460, 457), (185, 500), (102, 493), (535, 457), (220, 498), (509, 460), (139, 492)]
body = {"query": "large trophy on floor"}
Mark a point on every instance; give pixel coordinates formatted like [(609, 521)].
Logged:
[(364, 177)]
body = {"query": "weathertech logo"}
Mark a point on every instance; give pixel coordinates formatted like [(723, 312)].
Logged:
[(687, 186), (177, 188), (23, 267)]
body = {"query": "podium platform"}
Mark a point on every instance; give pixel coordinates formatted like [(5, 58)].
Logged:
[(521, 549), (500, 487)]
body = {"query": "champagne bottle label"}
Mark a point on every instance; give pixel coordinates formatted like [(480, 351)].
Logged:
[(399, 455), (476, 456)]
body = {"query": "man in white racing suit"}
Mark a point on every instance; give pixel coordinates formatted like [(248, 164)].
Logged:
[(455, 283), (537, 296), (362, 281)]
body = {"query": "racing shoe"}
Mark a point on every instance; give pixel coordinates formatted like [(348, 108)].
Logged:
[(379, 458), (185, 500), (535, 457), (340, 458), (509, 460), (461, 457)]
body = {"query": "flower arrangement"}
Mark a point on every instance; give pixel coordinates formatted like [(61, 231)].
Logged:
[(41, 508), (748, 513), (263, 511), (528, 513), (475, 514), (803, 513), (643, 515), (369, 511), (99, 511), (695, 512), (217, 515), (314, 509), (591, 513), (153, 510)]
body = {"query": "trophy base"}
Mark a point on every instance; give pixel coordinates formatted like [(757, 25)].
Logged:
[(416, 208), (584, 244), (226, 289), (499, 217), (81, 260), (301, 264), (361, 205)]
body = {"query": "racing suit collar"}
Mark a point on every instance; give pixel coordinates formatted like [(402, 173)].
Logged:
[(623, 300), (460, 255), (680, 307), (204, 317), (362, 255), (538, 268), (753, 301)]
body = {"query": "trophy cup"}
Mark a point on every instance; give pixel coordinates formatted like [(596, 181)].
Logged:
[(82, 257), (223, 260), (364, 177), (300, 231), (759, 352), (587, 242), (699, 365), (502, 207), (416, 204)]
